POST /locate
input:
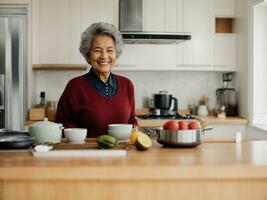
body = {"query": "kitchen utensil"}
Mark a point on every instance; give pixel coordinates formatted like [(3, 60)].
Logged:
[(81, 153), (15, 141), (120, 131), (46, 131), (227, 97), (181, 138), (75, 135), (163, 101)]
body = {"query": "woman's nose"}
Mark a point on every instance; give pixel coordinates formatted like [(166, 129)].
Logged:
[(104, 54)]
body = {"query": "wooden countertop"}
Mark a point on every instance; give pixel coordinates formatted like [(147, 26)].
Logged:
[(207, 161), (207, 120)]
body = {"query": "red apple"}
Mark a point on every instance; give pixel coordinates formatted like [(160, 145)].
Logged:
[(171, 125), (193, 125), (183, 125)]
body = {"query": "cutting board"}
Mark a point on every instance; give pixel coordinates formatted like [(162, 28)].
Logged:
[(81, 153)]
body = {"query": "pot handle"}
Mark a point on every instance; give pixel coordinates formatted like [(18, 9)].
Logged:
[(61, 127), (207, 129)]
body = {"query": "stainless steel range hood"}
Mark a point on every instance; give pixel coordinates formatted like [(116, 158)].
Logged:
[(131, 26)]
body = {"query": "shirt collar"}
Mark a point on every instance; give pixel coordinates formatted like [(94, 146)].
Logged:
[(99, 84)]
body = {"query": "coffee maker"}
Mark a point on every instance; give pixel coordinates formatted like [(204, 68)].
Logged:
[(227, 97), (164, 104)]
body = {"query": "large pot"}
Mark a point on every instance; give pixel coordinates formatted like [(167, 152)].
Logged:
[(181, 138), (46, 131)]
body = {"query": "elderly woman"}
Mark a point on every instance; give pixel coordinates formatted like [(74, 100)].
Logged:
[(99, 97)]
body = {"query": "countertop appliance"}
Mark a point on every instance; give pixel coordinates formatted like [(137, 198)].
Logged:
[(227, 96), (164, 106), (12, 66), (131, 26)]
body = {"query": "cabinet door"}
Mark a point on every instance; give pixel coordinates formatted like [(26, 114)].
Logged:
[(225, 52), (99, 10), (154, 15), (162, 15), (14, 1), (51, 31), (224, 8), (221, 132), (148, 57), (198, 19)]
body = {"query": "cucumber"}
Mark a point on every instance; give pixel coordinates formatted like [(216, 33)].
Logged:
[(106, 142), (143, 142)]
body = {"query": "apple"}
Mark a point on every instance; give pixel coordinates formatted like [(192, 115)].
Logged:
[(193, 125), (171, 125), (183, 125)]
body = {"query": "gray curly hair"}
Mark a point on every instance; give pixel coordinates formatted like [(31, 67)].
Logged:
[(96, 29)]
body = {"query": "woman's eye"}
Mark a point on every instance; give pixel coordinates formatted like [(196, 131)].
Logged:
[(110, 51)]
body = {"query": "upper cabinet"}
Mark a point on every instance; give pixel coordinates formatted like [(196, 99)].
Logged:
[(51, 31), (225, 8), (57, 27), (198, 19), (225, 37), (14, 1)]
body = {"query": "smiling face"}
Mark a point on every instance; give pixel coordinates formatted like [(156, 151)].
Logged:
[(102, 55)]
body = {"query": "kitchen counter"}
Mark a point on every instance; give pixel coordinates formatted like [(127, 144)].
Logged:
[(210, 171), (209, 120)]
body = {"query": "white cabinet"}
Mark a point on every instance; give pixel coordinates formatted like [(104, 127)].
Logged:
[(225, 132), (225, 52), (154, 15), (57, 26), (225, 8), (14, 1), (99, 10), (51, 31), (162, 15), (198, 19), (147, 57)]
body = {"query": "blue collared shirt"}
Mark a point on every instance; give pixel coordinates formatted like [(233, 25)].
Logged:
[(105, 89)]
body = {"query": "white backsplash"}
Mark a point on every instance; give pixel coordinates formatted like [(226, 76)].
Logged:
[(187, 87)]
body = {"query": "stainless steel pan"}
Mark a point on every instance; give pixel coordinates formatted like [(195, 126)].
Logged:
[(181, 138), (15, 140)]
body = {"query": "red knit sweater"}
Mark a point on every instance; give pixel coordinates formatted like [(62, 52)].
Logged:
[(82, 106)]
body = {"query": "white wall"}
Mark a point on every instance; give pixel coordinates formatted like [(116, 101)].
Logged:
[(260, 59), (241, 29), (186, 86)]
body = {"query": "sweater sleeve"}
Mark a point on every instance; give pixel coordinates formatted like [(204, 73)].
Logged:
[(65, 111), (133, 119)]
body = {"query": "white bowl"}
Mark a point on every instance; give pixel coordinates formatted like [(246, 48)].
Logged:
[(120, 135), (75, 135), (120, 127)]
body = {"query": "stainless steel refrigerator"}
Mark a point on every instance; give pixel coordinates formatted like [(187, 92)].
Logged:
[(12, 67)]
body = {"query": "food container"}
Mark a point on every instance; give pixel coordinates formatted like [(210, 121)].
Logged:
[(120, 131), (75, 135), (46, 131), (181, 138)]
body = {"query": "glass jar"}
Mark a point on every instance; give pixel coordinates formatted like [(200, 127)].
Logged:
[(51, 110)]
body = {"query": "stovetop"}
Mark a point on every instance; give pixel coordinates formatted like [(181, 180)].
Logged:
[(176, 116)]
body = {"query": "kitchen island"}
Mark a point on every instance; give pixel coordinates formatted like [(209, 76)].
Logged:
[(209, 171)]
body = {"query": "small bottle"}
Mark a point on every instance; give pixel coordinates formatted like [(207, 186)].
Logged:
[(51, 110), (42, 103)]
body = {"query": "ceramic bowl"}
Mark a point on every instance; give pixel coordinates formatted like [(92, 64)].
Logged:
[(120, 127), (75, 135), (120, 135)]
